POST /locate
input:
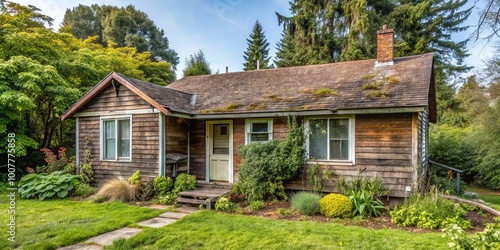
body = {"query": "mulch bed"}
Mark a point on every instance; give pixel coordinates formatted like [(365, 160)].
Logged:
[(272, 210)]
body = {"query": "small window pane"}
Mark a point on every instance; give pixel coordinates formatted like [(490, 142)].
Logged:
[(223, 130), (259, 127), (124, 134), (339, 128), (318, 139), (339, 150), (109, 140), (259, 137)]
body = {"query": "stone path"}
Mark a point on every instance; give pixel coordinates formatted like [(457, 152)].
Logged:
[(97, 242)]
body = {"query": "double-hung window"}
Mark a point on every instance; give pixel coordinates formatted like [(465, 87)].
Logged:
[(258, 130), (116, 138), (331, 139)]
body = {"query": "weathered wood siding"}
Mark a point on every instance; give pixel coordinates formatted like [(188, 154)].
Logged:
[(145, 133), (383, 148), (198, 150), (176, 141)]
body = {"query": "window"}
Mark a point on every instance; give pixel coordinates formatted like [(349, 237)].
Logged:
[(116, 139), (259, 130), (331, 139)]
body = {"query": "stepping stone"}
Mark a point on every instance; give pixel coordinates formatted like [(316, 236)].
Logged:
[(81, 247), (188, 209), (173, 215), (108, 238), (156, 222)]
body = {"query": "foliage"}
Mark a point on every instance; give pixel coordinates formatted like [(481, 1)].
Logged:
[(185, 182), (429, 211), (257, 205), (374, 186), (265, 166), (169, 198), (85, 170), (489, 238), (125, 26), (54, 162), (257, 50), (55, 184), (135, 179), (117, 190), (364, 205), (224, 204), (306, 203), (146, 191), (84, 190), (197, 65), (335, 205), (448, 185), (163, 185), (56, 223)]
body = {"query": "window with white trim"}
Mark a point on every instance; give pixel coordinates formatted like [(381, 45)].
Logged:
[(258, 130), (331, 139), (116, 138)]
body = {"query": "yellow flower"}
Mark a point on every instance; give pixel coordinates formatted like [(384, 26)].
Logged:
[(341, 244)]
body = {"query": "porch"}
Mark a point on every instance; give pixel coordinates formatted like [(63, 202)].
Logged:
[(206, 193)]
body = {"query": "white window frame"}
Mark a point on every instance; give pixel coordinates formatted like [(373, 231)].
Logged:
[(248, 128), (351, 138), (101, 130)]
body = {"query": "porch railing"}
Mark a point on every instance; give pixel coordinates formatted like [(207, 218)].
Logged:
[(458, 171)]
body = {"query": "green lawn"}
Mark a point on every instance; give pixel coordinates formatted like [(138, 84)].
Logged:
[(487, 195), (54, 223), (210, 230)]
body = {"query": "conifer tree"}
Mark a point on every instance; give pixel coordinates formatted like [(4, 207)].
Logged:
[(257, 50), (197, 65)]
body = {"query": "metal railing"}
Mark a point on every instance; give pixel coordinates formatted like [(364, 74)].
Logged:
[(458, 171)]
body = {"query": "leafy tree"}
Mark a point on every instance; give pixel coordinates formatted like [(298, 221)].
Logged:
[(197, 65), (489, 21), (126, 26), (257, 50)]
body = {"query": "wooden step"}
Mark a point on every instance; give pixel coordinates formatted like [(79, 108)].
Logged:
[(207, 202)]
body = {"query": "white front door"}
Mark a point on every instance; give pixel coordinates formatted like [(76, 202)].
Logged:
[(219, 151)]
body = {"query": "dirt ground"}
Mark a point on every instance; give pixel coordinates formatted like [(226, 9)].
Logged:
[(281, 210)]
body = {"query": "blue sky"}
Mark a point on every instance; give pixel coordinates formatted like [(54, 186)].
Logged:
[(220, 27)]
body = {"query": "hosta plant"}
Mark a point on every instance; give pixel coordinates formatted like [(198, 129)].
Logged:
[(41, 186)]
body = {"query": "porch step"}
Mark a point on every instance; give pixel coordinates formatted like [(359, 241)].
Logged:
[(205, 194), (207, 202)]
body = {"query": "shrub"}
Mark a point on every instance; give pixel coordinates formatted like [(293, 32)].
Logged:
[(54, 162), (374, 186), (257, 205), (185, 182), (447, 185), (335, 205), (284, 211), (117, 190), (168, 199), (489, 238), (135, 179), (55, 184), (146, 191), (265, 166), (429, 211), (364, 205), (306, 203), (224, 204), (163, 185), (85, 190)]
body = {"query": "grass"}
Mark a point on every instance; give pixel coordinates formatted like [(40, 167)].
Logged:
[(210, 230), (51, 224), (487, 195)]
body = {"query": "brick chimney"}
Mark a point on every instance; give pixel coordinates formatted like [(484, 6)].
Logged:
[(385, 46)]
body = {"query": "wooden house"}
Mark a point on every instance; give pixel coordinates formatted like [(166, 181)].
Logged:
[(368, 116)]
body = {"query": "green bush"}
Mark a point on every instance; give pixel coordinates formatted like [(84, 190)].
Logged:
[(224, 204), (429, 211), (335, 205), (163, 185), (135, 179), (55, 184), (257, 205), (489, 238), (146, 191), (364, 205), (266, 166), (447, 185), (85, 190), (168, 199), (185, 182), (306, 203), (374, 186)]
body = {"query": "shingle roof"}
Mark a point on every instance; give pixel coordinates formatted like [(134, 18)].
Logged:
[(334, 86)]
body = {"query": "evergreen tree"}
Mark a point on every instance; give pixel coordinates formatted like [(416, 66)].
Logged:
[(197, 65), (257, 50), (285, 51)]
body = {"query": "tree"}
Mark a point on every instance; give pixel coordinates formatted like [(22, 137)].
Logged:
[(257, 50), (285, 51), (197, 65), (127, 27), (489, 21)]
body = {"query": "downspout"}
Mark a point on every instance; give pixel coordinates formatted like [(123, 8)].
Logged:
[(77, 147), (162, 130)]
